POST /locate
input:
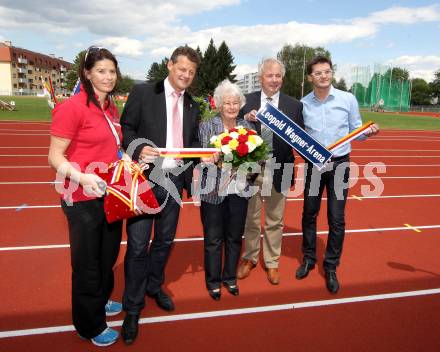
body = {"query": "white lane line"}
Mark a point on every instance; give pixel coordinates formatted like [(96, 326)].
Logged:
[(297, 179), (26, 167), (394, 156), (351, 156), (33, 183), (21, 122), (25, 134), (198, 239), (30, 207), (370, 164), (288, 200), (21, 130), (396, 150), (424, 139), (234, 312), (24, 147)]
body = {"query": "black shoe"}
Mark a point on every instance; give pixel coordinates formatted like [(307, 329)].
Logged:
[(232, 289), (163, 301), (129, 329), (215, 295), (331, 281), (303, 270)]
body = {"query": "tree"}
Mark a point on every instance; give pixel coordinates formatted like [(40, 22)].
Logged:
[(340, 84), (72, 75), (420, 92), (124, 85), (196, 86), (225, 63), (294, 59), (435, 85), (216, 65), (209, 70), (157, 72), (397, 73)]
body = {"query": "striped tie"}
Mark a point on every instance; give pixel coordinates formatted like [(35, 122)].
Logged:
[(266, 133)]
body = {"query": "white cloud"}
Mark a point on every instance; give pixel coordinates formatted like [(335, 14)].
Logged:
[(243, 40), (240, 70), (102, 17), (405, 15), (418, 66), (135, 74), (122, 46)]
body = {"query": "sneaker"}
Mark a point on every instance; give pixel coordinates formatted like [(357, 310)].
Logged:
[(112, 308), (105, 338)]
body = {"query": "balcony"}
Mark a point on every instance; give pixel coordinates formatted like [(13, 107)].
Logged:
[(21, 70), (22, 60), (63, 69), (23, 80)]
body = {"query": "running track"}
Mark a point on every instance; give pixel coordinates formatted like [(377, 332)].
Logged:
[(390, 272)]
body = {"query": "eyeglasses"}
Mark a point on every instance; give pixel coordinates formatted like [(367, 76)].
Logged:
[(322, 73), (92, 49)]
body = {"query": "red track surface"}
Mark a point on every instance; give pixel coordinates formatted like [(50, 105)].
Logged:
[(385, 256)]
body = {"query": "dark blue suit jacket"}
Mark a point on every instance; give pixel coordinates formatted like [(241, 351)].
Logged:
[(281, 150)]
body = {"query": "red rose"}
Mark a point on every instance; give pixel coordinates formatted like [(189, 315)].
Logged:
[(233, 130), (251, 132), (242, 149), (243, 138), (226, 140)]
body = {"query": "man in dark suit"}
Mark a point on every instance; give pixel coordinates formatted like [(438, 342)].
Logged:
[(165, 114), (273, 193)]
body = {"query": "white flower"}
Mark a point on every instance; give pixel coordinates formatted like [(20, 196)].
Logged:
[(251, 146), (258, 140), (234, 135), (226, 149), (213, 139)]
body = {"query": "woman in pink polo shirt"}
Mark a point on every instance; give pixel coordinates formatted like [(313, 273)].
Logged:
[(85, 134)]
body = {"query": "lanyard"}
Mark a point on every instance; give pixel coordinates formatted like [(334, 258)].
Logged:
[(112, 127), (115, 134)]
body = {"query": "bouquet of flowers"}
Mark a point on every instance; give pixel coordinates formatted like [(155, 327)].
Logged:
[(240, 145)]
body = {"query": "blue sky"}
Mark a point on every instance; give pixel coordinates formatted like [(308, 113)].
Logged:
[(400, 33)]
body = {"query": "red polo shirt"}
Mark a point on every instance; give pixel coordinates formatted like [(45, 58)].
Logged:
[(91, 137)]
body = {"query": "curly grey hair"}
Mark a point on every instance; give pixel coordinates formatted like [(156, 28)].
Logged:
[(226, 87)]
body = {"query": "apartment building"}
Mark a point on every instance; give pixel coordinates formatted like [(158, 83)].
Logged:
[(249, 83), (21, 71)]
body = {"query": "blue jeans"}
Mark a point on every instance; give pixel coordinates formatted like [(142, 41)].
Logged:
[(332, 180)]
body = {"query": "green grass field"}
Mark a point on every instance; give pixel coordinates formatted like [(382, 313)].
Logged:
[(26, 108), (34, 108)]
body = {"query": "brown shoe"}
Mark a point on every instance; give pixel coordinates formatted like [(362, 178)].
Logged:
[(244, 269), (273, 275)]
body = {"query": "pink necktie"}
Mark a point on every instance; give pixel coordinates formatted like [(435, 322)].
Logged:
[(177, 122)]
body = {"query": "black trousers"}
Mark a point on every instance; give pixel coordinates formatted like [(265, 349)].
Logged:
[(94, 248), (144, 262), (334, 179), (223, 226)]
